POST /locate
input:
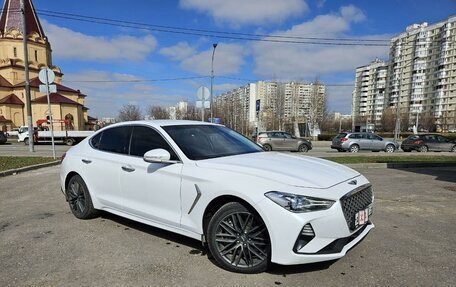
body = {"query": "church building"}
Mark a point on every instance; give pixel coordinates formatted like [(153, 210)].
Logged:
[(67, 104)]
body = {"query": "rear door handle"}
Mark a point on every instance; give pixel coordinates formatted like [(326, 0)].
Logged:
[(128, 168), (86, 161)]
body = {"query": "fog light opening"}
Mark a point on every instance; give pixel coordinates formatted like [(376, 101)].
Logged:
[(306, 235)]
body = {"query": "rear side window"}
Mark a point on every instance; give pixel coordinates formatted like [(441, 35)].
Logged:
[(355, 136), (145, 139), (116, 139), (95, 141)]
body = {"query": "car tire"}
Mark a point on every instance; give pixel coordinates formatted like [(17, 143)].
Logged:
[(390, 148), (424, 148), (303, 148), (238, 239), (453, 149), (79, 199), (267, 147), (26, 141), (354, 148), (69, 141)]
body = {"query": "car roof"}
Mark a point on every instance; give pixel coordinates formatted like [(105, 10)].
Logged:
[(162, 123)]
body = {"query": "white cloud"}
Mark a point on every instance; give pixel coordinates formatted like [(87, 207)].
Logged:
[(228, 58), (239, 12), (293, 61), (107, 95), (70, 44), (178, 52)]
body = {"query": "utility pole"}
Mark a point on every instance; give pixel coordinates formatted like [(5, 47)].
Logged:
[(27, 80), (212, 78)]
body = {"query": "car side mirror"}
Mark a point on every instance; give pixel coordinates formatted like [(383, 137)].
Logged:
[(158, 155)]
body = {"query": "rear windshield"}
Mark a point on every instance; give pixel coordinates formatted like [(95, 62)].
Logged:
[(412, 137), (341, 135)]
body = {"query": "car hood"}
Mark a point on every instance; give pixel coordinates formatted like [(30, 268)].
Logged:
[(295, 170)]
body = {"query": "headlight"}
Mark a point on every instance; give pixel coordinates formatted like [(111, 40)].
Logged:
[(299, 203)]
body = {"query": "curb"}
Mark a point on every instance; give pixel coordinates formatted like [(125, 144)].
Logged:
[(401, 165), (28, 168)]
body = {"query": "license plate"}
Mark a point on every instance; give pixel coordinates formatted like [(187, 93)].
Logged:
[(362, 216)]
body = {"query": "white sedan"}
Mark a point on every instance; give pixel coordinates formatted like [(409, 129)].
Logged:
[(210, 183)]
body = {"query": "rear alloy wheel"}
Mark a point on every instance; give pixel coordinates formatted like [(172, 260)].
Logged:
[(303, 148), (267, 147), (354, 148), (424, 148), (453, 149), (79, 199), (390, 148), (26, 141), (238, 239)]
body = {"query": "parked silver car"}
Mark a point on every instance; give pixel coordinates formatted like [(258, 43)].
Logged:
[(279, 140), (355, 142)]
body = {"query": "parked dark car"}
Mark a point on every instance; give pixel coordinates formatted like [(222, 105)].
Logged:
[(278, 140), (428, 142), (3, 138)]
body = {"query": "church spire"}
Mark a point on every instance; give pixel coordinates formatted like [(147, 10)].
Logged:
[(11, 18)]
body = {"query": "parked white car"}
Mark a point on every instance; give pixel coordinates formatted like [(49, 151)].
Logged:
[(210, 183)]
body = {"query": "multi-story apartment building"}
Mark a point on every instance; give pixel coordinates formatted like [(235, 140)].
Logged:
[(421, 76), (280, 103), (368, 101)]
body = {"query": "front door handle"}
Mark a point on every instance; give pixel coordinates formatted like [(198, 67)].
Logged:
[(86, 161), (128, 168)]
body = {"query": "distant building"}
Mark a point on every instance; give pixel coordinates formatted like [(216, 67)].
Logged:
[(420, 77), (369, 101), (280, 104), (67, 105)]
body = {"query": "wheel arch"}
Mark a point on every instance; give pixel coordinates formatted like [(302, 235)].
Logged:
[(69, 176), (217, 203)]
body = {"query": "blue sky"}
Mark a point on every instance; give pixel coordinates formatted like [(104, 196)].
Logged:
[(89, 51)]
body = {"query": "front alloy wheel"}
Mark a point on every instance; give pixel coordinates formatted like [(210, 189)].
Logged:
[(238, 239)]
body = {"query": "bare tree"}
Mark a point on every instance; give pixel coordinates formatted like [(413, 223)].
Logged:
[(316, 102), (158, 112), (427, 122), (129, 113), (387, 120)]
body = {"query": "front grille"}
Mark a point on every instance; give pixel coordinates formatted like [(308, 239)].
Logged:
[(355, 201)]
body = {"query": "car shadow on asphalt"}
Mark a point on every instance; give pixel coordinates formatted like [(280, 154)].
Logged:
[(440, 173), (198, 248), (154, 231), (277, 269)]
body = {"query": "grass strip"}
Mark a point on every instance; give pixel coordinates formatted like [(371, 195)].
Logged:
[(13, 162)]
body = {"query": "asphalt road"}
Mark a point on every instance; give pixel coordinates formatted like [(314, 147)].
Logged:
[(42, 244)]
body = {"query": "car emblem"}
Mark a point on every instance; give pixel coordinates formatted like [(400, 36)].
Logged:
[(353, 182)]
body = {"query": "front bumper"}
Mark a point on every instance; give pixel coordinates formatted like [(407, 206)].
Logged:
[(333, 237)]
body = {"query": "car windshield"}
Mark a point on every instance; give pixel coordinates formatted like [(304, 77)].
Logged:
[(210, 141)]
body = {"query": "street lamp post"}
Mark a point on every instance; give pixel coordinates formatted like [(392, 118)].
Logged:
[(212, 78)]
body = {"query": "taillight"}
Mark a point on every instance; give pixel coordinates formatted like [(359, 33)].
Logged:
[(343, 139), (63, 157)]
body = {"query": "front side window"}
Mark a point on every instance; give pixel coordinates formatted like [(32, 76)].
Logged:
[(200, 142), (116, 139), (145, 139)]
